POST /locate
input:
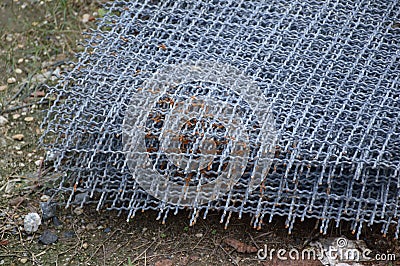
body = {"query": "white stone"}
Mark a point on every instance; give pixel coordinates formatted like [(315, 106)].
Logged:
[(44, 198), (18, 137), (85, 18), (11, 80), (31, 222), (3, 120), (78, 211), (57, 72)]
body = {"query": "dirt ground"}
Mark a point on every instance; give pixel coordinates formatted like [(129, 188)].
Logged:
[(37, 39)]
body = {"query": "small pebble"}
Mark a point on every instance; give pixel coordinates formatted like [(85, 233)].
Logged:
[(199, 235), (20, 61), (11, 80), (39, 78), (48, 210), (18, 71), (23, 260), (28, 119), (78, 211), (85, 18), (31, 222), (3, 87), (3, 120), (85, 245), (44, 198), (38, 163), (69, 234), (50, 156), (48, 238), (18, 137), (91, 226), (56, 221), (3, 143), (57, 72), (79, 197), (16, 116)]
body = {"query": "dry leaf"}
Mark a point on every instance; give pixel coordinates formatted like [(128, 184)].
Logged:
[(162, 47), (164, 262), (18, 137), (38, 94), (16, 201), (240, 246)]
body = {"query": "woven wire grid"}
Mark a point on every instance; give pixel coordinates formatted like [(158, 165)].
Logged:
[(317, 82)]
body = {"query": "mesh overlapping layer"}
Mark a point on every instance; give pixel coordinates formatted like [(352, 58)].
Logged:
[(287, 108)]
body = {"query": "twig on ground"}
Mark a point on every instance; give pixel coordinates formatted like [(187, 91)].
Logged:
[(264, 234), (12, 109), (102, 244), (64, 252), (9, 255), (229, 255), (141, 254), (252, 240), (79, 242), (104, 255), (144, 251), (22, 87), (33, 256), (313, 236)]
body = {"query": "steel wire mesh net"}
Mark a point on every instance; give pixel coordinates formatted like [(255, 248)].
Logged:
[(287, 108)]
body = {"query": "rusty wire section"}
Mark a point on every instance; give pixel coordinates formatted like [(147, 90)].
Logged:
[(289, 108)]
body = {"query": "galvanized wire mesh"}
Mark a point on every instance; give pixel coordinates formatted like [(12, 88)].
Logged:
[(287, 108)]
